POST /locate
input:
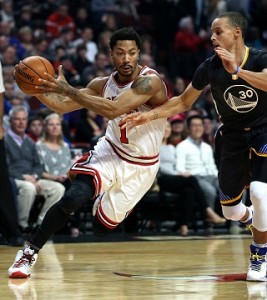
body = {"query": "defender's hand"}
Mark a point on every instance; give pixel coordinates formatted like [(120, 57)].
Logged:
[(132, 120)]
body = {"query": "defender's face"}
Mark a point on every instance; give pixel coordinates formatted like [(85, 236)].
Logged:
[(125, 57), (223, 34)]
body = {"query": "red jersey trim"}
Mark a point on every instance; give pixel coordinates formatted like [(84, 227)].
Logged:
[(142, 160), (80, 168)]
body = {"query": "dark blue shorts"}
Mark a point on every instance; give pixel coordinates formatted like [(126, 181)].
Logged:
[(241, 157)]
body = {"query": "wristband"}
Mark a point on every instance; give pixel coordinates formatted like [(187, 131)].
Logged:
[(236, 70)]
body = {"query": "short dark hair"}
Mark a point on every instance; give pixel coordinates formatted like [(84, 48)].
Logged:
[(236, 19), (191, 118), (123, 34)]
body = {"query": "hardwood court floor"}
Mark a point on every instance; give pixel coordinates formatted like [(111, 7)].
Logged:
[(146, 268)]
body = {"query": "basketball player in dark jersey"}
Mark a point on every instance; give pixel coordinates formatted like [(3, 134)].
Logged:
[(238, 79)]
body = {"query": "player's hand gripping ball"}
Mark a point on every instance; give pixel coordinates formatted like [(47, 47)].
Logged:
[(29, 70)]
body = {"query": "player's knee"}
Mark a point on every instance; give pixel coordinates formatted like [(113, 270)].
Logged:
[(234, 213), (99, 229), (258, 191), (76, 196)]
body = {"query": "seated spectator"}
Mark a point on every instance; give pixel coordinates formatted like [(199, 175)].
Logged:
[(195, 157), (55, 155), (101, 66), (80, 61), (186, 185), (86, 37), (87, 128), (59, 19), (35, 128), (178, 131), (25, 168), (9, 226)]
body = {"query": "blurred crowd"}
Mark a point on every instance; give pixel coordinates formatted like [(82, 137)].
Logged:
[(75, 34)]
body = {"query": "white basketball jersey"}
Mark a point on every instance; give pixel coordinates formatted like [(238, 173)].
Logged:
[(141, 144)]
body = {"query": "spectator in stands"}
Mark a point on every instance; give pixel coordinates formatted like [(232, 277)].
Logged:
[(8, 31), (26, 39), (9, 219), (8, 94), (209, 130), (26, 170), (40, 48), (101, 64), (70, 72), (103, 42), (87, 128), (35, 127), (9, 56), (6, 12), (64, 40), (195, 157), (179, 86), (81, 19), (185, 185), (8, 75), (86, 37), (188, 47), (79, 59), (58, 20), (55, 155), (178, 130)]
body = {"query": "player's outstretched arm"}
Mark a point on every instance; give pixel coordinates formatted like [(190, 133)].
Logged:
[(174, 106), (141, 91), (54, 98)]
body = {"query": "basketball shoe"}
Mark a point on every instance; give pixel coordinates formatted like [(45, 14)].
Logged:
[(23, 262), (257, 264)]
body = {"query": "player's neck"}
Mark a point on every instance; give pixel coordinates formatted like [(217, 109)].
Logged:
[(241, 54)]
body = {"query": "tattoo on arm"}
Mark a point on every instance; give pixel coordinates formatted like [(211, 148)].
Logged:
[(55, 96), (155, 114), (64, 87), (142, 85)]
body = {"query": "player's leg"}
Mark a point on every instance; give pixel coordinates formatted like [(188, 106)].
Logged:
[(258, 191), (132, 182), (81, 191), (234, 175)]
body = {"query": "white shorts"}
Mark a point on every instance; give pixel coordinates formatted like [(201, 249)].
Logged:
[(120, 185)]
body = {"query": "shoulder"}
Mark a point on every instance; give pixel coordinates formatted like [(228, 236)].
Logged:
[(183, 144), (97, 84)]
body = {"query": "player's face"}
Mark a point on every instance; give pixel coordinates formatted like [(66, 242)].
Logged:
[(223, 34), (125, 57)]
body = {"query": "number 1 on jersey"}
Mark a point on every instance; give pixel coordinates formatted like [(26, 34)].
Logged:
[(123, 137)]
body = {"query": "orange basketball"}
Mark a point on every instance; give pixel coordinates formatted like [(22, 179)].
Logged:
[(28, 72)]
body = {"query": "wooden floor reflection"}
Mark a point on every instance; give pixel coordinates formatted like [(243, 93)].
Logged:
[(206, 269)]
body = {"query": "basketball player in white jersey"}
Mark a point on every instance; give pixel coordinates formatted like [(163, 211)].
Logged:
[(123, 165)]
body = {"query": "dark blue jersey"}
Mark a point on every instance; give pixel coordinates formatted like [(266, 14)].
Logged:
[(239, 104)]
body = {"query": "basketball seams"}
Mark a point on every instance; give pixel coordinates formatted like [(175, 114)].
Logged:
[(28, 73), (34, 71)]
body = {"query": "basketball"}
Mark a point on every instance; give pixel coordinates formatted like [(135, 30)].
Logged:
[(29, 70)]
